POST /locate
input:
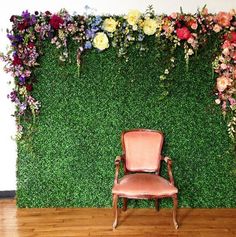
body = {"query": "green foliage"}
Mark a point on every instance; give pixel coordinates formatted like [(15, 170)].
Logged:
[(70, 159)]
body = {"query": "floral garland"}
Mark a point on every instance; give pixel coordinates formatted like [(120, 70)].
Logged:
[(101, 32)]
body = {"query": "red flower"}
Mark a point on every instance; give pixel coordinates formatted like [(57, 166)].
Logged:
[(231, 36), (30, 45), (23, 25), (16, 61), (55, 21), (29, 87), (183, 33)]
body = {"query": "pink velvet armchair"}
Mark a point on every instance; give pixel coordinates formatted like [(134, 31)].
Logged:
[(141, 160)]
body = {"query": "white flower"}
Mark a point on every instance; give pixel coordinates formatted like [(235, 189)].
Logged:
[(101, 41), (133, 17), (149, 26)]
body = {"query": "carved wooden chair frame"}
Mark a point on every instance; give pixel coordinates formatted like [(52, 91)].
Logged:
[(120, 159)]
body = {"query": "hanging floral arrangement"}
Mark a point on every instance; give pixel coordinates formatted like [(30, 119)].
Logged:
[(101, 32)]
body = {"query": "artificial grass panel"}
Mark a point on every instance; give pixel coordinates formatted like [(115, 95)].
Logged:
[(69, 160)]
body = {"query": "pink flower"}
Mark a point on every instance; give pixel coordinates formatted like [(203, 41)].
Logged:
[(168, 29), (193, 24), (174, 15), (183, 33), (226, 51), (217, 28), (222, 83), (232, 101), (226, 44), (223, 66), (224, 18)]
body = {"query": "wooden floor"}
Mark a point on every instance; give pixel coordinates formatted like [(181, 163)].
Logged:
[(67, 222)]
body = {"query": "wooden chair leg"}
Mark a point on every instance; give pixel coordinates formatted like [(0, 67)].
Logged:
[(124, 204), (156, 204), (115, 210), (175, 200)]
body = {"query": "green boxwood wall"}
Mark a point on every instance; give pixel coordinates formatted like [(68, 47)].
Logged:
[(69, 159)]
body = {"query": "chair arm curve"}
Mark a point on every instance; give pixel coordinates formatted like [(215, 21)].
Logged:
[(117, 164), (169, 167)]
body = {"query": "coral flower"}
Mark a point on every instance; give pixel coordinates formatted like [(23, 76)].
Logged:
[(224, 18)]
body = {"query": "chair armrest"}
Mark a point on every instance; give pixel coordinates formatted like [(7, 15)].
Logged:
[(117, 164), (169, 166)]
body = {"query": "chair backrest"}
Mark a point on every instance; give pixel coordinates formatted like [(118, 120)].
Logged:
[(142, 149)]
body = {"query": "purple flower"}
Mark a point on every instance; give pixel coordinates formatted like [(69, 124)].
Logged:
[(10, 37), (19, 38), (22, 80), (33, 20), (95, 28), (22, 107), (97, 21), (12, 96), (88, 45), (89, 33), (25, 15)]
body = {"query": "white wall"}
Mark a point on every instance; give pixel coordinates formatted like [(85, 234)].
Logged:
[(10, 7)]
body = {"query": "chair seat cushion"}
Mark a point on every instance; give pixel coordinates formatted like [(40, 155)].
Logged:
[(143, 185)]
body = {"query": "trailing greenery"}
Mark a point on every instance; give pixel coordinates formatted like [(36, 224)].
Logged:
[(69, 160)]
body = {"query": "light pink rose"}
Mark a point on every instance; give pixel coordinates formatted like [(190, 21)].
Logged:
[(168, 29), (222, 83), (174, 15), (217, 28), (226, 51), (223, 66)]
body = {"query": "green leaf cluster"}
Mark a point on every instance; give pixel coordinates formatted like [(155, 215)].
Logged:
[(69, 160)]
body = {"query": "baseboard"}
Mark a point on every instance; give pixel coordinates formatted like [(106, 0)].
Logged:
[(7, 194)]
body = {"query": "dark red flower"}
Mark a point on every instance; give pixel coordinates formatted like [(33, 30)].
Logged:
[(16, 61), (183, 33), (30, 45), (13, 18), (231, 36), (23, 25), (55, 21), (29, 87), (48, 13), (178, 24)]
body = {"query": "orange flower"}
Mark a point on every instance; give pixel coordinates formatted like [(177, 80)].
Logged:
[(224, 18)]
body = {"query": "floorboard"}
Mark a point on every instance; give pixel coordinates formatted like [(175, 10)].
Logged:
[(97, 222)]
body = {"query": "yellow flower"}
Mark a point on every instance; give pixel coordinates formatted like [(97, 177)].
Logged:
[(101, 41), (61, 34), (109, 25), (133, 17), (149, 26)]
